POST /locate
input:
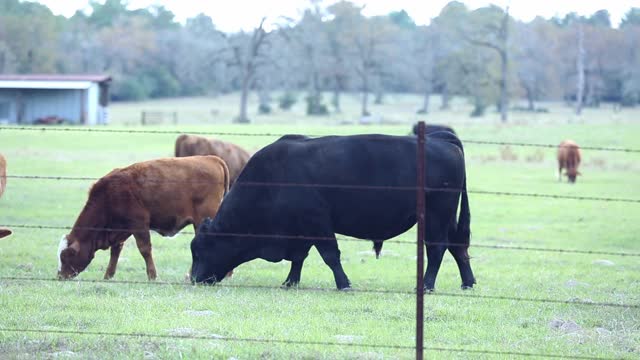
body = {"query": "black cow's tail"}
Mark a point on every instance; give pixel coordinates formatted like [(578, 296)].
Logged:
[(377, 247), (463, 232)]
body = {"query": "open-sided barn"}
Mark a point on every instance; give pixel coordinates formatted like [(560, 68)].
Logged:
[(77, 99)]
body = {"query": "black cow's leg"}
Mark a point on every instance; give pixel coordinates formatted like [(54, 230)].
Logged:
[(293, 278), (143, 240), (434, 260), (461, 256), (330, 253), (459, 249), (113, 260), (435, 243)]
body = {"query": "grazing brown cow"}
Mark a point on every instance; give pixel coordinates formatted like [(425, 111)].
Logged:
[(235, 156), (569, 159), (3, 184), (163, 195)]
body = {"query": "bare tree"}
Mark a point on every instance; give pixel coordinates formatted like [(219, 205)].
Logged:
[(310, 47), (424, 57), (497, 38), (249, 57), (369, 38), (344, 15), (580, 68), (534, 60)]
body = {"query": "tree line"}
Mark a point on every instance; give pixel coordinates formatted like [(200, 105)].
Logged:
[(485, 55)]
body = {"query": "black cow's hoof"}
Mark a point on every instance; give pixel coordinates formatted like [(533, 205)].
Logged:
[(466, 287), (289, 284), (348, 288)]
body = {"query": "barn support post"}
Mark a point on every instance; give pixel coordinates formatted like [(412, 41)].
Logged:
[(420, 214)]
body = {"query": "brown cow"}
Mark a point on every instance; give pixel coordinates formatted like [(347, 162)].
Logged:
[(3, 185), (163, 195), (235, 156), (569, 159)]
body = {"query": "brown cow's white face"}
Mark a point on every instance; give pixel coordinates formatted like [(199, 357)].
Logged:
[(71, 260), (64, 243)]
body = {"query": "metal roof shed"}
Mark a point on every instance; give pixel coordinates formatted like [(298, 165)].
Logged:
[(78, 99)]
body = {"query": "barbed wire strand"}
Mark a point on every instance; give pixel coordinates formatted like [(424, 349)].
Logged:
[(340, 238), (293, 342), (219, 133), (363, 291), (355, 187)]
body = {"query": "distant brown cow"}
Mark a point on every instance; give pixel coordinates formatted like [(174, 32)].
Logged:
[(3, 185), (235, 156), (569, 159), (163, 195)]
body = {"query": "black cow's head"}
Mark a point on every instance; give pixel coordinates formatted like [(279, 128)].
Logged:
[(212, 254), (4, 232)]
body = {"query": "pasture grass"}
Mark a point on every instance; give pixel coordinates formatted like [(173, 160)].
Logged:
[(464, 322)]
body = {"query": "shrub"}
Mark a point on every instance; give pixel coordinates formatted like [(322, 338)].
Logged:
[(264, 109), (287, 100), (315, 105), (130, 89)]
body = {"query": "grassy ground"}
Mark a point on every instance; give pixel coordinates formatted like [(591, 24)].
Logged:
[(464, 322)]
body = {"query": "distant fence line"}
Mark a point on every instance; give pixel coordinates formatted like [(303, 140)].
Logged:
[(158, 117), (219, 133)]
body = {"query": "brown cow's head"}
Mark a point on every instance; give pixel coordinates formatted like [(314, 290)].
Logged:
[(572, 174), (72, 258)]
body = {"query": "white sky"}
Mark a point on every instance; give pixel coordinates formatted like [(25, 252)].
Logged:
[(234, 15)]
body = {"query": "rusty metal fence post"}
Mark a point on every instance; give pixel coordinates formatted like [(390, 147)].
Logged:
[(420, 210)]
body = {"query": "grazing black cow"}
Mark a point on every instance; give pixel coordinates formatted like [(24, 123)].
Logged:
[(430, 128), (315, 190)]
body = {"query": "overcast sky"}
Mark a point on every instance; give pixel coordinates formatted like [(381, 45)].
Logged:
[(233, 15)]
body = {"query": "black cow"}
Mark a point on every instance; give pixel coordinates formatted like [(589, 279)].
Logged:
[(314, 190), (430, 128)]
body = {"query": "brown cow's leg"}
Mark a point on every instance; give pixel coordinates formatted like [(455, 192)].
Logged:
[(559, 173), (143, 240), (113, 261)]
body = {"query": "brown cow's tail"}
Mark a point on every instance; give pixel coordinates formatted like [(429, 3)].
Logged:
[(463, 232)]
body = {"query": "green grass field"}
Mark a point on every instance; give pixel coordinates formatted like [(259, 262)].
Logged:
[(233, 311)]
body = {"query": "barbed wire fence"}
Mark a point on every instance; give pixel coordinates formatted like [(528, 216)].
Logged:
[(574, 302), (266, 134)]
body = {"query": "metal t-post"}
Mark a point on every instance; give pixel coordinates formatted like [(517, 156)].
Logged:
[(420, 210)]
